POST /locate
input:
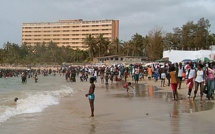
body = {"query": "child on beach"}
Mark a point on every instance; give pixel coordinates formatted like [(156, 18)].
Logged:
[(127, 85), (91, 95), (174, 82)]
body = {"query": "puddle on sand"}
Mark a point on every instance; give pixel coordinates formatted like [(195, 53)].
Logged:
[(183, 105)]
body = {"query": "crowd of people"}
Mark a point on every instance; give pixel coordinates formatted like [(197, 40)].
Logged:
[(200, 76), (24, 74), (197, 76)]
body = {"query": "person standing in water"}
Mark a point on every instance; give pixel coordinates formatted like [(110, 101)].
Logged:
[(35, 77), (91, 95), (24, 77)]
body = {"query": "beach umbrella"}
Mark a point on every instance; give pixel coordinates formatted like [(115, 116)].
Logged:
[(206, 59), (196, 60), (185, 61)]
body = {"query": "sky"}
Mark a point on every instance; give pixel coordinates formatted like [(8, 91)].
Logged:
[(135, 16)]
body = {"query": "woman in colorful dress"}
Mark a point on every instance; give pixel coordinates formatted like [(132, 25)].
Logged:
[(191, 74), (210, 81)]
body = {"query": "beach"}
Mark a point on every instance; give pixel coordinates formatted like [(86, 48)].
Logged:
[(147, 109)]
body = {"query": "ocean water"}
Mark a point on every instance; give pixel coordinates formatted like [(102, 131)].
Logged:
[(32, 97)]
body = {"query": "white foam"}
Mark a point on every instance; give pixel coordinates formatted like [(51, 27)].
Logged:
[(34, 103)]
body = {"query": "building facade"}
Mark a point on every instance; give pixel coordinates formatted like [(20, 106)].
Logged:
[(119, 59), (68, 32)]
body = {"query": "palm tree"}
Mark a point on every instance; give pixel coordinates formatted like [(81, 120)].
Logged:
[(127, 48), (116, 44), (100, 41), (91, 45), (138, 45)]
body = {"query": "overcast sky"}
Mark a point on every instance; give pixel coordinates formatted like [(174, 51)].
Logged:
[(135, 16)]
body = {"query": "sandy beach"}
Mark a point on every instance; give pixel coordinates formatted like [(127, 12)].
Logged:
[(146, 109)]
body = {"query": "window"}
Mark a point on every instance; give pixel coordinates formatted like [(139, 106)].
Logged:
[(65, 26)]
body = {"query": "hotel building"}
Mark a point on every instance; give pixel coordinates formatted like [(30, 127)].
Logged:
[(68, 32)]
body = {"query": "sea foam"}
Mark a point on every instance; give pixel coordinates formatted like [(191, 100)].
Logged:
[(35, 102)]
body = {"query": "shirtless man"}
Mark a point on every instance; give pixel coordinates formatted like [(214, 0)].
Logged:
[(91, 95)]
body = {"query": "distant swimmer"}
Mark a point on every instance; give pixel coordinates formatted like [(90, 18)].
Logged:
[(16, 99)]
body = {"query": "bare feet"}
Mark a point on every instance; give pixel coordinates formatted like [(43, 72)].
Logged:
[(194, 97)]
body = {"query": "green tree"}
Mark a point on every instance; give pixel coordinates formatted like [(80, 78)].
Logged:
[(102, 45), (155, 45), (138, 45), (127, 48), (91, 46)]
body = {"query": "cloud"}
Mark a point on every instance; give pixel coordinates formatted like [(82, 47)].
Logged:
[(135, 16)]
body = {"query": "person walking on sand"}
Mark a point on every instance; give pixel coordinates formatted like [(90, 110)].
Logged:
[(95, 74), (174, 82), (199, 81), (163, 76), (91, 95), (190, 79), (180, 74)]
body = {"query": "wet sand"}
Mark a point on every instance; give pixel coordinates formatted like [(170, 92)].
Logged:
[(155, 112), (146, 109)]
